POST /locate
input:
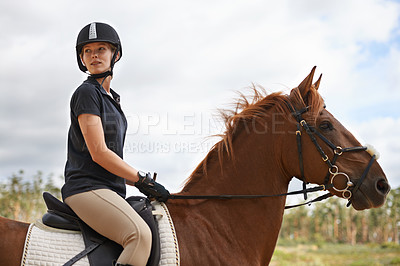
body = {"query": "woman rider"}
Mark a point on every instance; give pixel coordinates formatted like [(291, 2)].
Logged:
[(95, 173)]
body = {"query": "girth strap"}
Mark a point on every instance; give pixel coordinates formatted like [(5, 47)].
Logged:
[(83, 253)]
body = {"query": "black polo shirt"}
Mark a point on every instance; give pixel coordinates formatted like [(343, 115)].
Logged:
[(82, 174)]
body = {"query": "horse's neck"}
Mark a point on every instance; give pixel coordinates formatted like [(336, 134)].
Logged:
[(254, 223), (253, 168)]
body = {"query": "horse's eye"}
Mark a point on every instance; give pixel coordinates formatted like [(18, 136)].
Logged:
[(326, 125)]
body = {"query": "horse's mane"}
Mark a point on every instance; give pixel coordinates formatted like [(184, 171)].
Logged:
[(254, 108), (247, 108)]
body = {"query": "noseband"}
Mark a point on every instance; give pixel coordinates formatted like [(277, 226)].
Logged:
[(333, 170)]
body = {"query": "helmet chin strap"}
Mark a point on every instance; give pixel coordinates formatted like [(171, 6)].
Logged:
[(102, 75)]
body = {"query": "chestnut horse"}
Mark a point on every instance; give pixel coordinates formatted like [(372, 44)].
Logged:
[(258, 154)]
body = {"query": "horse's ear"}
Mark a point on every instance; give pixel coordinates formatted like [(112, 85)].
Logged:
[(316, 84), (305, 85)]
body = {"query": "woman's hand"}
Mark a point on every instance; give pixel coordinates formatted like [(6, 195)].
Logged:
[(151, 188)]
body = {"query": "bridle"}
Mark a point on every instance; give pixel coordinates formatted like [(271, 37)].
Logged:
[(333, 170)]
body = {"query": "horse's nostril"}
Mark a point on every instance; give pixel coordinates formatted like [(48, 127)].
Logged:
[(383, 186)]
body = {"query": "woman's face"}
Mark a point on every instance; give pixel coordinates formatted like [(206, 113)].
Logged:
[(97, 57)]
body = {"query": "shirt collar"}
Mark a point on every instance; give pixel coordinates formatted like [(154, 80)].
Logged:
[(115, 95)]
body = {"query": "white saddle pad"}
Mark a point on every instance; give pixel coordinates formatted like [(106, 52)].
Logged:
[(46, 246)]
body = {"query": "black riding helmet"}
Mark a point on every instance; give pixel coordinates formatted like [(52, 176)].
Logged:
[(98, 32)]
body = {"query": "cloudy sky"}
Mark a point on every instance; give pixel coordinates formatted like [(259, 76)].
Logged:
[(184, 59)]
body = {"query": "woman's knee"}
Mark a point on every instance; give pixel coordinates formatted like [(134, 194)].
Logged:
[(145, 236), (137, 247), (140, 235)]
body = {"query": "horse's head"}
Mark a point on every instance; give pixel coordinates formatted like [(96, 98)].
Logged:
[(329, 154)]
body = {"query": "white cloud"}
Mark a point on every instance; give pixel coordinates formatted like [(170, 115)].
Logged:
[(383, 133)]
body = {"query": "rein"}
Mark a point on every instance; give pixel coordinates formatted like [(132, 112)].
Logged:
[(333, 170), (312, 189)]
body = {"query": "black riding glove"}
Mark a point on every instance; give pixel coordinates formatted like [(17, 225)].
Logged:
[(151, 188)]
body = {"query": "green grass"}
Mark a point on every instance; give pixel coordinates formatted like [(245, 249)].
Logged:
[(336, 254)]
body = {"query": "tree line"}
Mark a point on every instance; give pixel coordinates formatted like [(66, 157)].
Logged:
[(21, 198), (332, 221), (328, 221)]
